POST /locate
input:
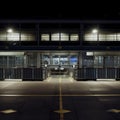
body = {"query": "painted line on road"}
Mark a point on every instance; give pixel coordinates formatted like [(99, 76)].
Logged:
[(52, 95), (61, 111)]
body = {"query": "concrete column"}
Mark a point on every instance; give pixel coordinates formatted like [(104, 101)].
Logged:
[(25, 61), (80, 58), (8, 62), (38, 60)]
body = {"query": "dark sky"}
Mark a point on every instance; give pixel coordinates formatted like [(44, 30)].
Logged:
[(59, 9)]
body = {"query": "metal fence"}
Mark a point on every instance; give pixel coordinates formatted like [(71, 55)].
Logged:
[(39, 74), (96, 73), (25, 74)]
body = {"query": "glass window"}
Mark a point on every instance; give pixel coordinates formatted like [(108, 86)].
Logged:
[(3, 36), (116, 61), (56, 60), (3, 61), (111, 37), (118, 37), (46, 59), (109, 61), (64, 60), (11, 61), (73, 60), (19, 61), (55, 37), (90, 37), (45, 37), (98, 61), (74, 37), (27, 37), (60, 37), (102, 37), (64, 37), (88, 63), (32, 60), (13, 37)]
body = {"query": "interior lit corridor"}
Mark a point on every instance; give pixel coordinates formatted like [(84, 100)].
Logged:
[(58, 78)]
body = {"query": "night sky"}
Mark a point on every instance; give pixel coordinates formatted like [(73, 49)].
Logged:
[(59, 9)]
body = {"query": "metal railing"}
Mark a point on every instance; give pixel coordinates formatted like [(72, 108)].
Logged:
[(26, 74), (96, 73)]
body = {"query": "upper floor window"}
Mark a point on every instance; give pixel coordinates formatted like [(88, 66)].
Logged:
[(64, 37), (74, 37), (90, 37), (15, 36), (12, 37), (45, 37), (55, 37), (96, 35), (60, 37)]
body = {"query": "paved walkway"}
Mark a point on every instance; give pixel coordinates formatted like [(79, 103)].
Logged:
[(59, 98)]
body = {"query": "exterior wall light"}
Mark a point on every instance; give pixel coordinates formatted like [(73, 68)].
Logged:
[(94, 31), (10, 30)]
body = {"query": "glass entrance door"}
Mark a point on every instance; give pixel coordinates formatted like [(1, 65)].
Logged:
[(60, 63)]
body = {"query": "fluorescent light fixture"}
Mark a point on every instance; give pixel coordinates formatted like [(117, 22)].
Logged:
[(45, 65), (89, 53), (11, 53)]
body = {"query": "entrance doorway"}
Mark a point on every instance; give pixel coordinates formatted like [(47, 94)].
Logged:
[(60, 63)]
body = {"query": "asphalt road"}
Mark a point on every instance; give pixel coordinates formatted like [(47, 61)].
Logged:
[(60, 99)]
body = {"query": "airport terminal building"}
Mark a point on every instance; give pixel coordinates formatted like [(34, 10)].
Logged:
[(37, 49)]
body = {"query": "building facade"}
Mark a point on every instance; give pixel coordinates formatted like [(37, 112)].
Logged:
[(37, 49)]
